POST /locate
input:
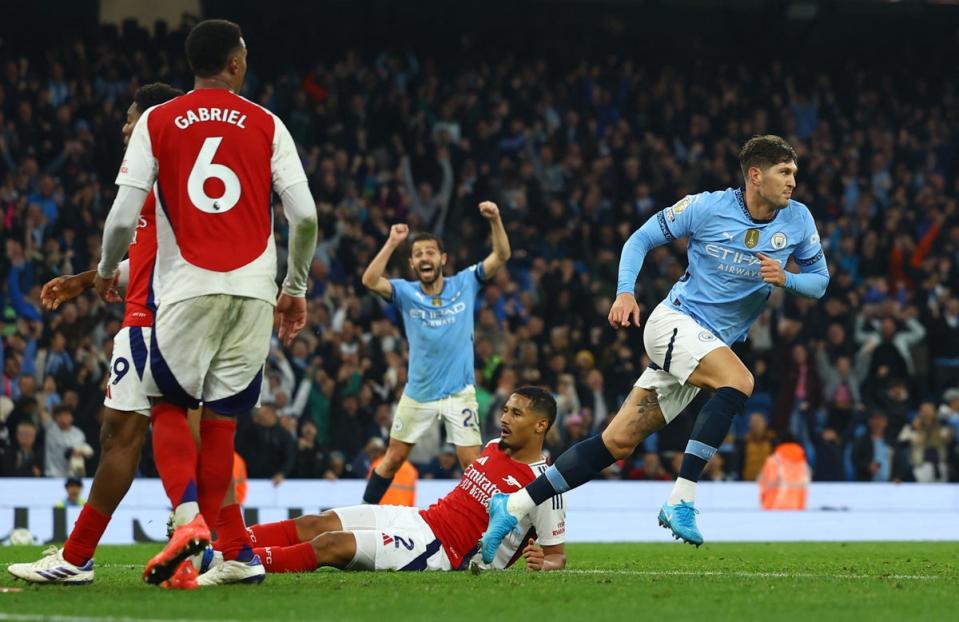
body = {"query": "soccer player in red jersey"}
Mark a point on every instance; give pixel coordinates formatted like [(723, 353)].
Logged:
[(216, 158), (445, 535), (126, 415)]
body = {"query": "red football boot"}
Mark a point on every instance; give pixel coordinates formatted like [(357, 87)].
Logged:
[(183, 579), (187, 540)]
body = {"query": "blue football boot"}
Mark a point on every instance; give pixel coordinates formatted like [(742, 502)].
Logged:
[(501, 522), (681, 520)]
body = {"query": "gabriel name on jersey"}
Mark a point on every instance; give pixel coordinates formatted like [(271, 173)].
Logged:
[(222, 115)]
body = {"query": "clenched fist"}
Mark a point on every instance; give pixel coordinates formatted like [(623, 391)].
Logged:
[(489, 210), (398, 234)]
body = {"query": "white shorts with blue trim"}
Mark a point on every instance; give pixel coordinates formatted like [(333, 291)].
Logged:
[(392, 537), (130, 371), (459, 412), (211, 349), (675, 344)]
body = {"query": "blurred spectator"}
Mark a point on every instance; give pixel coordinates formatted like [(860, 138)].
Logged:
[(312, 461), (829, 457), (755, 447), (872, 455), (24, 458), (65, 445), (363, 462), (649, 468), (74, 487), (927, 441), (443, 466), (269, 450)]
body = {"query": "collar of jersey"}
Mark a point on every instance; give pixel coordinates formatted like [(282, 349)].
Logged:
[(742, 205), (419, 286)]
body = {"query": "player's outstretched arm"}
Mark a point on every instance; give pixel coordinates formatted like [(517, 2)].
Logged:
[(373, 278), (64, 288), (501, 250), (652, 234), (545, 558)]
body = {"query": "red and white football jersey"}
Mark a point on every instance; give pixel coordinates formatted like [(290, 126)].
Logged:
[(216, 158), (459, 519), (142, 253)]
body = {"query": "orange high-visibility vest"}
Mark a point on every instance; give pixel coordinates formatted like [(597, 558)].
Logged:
[(784, 480), (239, 477), (403, 489)]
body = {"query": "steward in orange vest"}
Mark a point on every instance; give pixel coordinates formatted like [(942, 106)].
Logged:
[(784, 480), (403, 489)]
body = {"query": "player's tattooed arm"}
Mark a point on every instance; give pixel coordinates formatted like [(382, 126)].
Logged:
[(501, 250), (373, 278)]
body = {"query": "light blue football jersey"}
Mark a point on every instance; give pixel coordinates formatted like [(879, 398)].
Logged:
[(440, 333), (722, 289)]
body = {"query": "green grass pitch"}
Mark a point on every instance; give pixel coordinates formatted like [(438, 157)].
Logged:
[(624, 582)]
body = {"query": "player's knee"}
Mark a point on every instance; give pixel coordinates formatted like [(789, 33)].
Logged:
[(744, 382), (619, 443), (334, 548), (392, 461), (122, 432), (310, 526)]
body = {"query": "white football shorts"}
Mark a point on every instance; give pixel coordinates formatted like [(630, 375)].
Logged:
[(211, 349), (459, 411), (130, 371), (392, 537), (675, 344)]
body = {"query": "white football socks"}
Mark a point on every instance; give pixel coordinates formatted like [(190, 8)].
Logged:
[(683, 490), (185, 512), (520, 504)]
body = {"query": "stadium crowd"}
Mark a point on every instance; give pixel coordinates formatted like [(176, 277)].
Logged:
[(577, 156)]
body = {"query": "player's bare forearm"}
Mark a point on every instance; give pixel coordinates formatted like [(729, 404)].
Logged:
[(63, 288), (373, 276), (501, 250)]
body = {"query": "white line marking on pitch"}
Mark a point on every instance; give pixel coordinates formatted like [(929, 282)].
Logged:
[(26, 617), (747, 574)]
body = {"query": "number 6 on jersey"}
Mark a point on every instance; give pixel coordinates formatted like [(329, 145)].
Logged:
[(204, 169)]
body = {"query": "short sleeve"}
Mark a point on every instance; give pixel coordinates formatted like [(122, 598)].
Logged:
[(285, 165), (399, 293), (809, 250), (473, 277), (680, 220), (549, 521), (139, 167)]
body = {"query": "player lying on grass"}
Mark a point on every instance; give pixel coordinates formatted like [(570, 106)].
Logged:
[(739, 241), (444, 536)]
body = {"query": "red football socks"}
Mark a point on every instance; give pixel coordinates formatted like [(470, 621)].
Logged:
[(231, 534), (297, 558), (282, 533), (85, 536), (175, 452), (215, 467)]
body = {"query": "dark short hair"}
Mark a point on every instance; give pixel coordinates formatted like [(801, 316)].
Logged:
[(150, 95), (209, 44), (426, 237), (541, 401), (765, 151), (73, 481), (60, 409)]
